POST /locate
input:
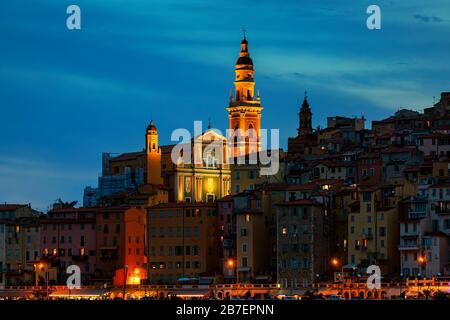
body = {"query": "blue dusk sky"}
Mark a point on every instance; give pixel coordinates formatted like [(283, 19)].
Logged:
[(67, 96)]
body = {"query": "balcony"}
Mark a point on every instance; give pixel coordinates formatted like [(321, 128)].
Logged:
[(408, 246), (367, 236), (79, 257), (409, 234), (420, 214), (443, 207)]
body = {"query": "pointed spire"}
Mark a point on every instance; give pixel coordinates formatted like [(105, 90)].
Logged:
[(244, 33), (258, 96), (231, 95), (209, 123), (305, 101), (151, 126)]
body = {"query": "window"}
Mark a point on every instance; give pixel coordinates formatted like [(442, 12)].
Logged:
[(305, 213), (247, 217), (352, 230), (238, 175), (367, 196), (382, 231), (369, 219), (243, 232), (244, 248), (244, 262), (284, 231)]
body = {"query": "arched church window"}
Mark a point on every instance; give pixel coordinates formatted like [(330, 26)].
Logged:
[(153, 146), (251, 130)]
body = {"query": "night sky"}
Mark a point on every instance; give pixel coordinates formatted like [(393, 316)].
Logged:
[(67, 96)]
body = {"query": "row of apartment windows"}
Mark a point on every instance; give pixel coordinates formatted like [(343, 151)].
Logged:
[(175, 265), (188, 232), (27, 255), (62, 239), (304, 212), (294, 248), (62, 252), (285, 230), (176, 251), (382, 231), (69, 226), (295, 264), (251, 174), (368, 161)]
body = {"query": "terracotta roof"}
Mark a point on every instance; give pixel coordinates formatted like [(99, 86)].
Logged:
[(435, 135), (11, 207), (226, 198), (184, 204), (68, 210), (301, 202), (128, 156)]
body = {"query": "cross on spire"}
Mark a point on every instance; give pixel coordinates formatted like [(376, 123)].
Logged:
[(244, 32)]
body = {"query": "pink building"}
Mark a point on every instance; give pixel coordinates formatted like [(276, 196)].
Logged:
[(435, 144), (68, 237)]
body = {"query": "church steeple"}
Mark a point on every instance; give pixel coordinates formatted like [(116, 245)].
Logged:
[(244, 109), (244, 82), (305, 117), (153, 165)]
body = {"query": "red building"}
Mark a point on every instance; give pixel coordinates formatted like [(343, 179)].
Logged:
[(121, 244), (369, 169)]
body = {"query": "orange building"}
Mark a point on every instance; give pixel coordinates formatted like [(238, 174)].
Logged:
[(183, 241), (121, 244), (244, 110)]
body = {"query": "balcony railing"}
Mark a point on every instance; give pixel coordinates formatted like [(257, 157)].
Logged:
[(408, 246), (417, 214)]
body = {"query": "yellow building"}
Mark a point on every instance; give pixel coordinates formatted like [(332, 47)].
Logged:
[(373, 232), (198, 181), (153, 153), (244, 109), (248, 176)]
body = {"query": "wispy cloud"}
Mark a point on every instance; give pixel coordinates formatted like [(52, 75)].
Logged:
[(428, 19)]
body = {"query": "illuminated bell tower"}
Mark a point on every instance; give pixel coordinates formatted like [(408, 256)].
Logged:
[(244, 109), (153, 155)]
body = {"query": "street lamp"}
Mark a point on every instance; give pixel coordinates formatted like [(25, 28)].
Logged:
[(438, 275), (125, 271), (401, 282), (317, 281), (418, 276)]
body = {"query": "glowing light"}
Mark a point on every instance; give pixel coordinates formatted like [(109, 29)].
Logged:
[(335, 262)]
